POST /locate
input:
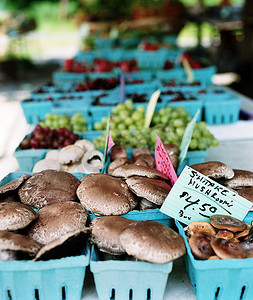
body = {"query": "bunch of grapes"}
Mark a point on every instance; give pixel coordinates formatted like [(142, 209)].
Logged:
[(125, 117), (45, 138), (54, 121), (169, 123)]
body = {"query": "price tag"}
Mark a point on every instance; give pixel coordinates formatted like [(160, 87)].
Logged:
[(151, 108), (195, 197), (163, 162), (122, 86), (187, 138), (110, 143)]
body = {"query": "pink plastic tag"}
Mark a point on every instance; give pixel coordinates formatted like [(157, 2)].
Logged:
[(110, 143), (163, 162)]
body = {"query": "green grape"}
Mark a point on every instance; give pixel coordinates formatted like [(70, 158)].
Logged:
[(121, 126), (178, 123), (104, 120), (215, 142), (193, 144), (123, 114), (98, 126)]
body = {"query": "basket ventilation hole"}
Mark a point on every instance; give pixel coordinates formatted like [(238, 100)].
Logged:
[(112, 294), (148, 294), (63, 293), (242, 292), (222, 119), (214, 119), (9, 294), (130, 294), (217, 293), (36, 294)]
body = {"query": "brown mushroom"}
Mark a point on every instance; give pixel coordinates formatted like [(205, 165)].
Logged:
[(116, 163), (145, 160), (152, 241), (140, 151), (171, 148), (56, 220), (226, 249), (48, 187), (131, 170), (227, 222), (105, 233), (118, 151), (240, 178), (69, 244), (200, 245), (103, 194), (225, 234), (16, 242), (200, 226), (15, 215), (154, 190), (13, 185), (214, 169)]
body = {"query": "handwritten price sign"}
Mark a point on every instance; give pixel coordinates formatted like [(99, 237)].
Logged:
[(163, 162), (195, 197)]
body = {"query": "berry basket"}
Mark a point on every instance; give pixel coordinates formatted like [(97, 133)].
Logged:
[(60, 77), (219, 279), (192, 157), (152, 59), (27, 158), (55, 279), (222, 112), (125, 280), (35, 110)]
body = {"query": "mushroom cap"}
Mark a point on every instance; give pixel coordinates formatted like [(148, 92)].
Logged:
[(225, 234), (105, 233), (13, 185), (148, 159), (227, 222), (53, 154), (226, 249), (18, 242), (86, 145), (48, 187), (131, 170), (118, 151), (118, 162), (214, 169), (68, 244), (56, 220), (171, 148), (46, 164), (241, 178), (152, 241), (200, 245), (201, 226), (15, 215), (140, 151), (154, 190), (70, 154), (103, 194)]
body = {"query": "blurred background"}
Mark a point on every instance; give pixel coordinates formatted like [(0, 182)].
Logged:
[(36, 35)]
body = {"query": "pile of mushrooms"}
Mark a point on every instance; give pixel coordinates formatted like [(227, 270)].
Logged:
[(41, 218), (128, 187), (239, 181), (140, 157), (224, 237), (118, 238), (81, 157)]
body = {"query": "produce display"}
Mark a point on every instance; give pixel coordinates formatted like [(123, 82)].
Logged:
[(127, 128), (77, 122), (225, 238), (46, 138)]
